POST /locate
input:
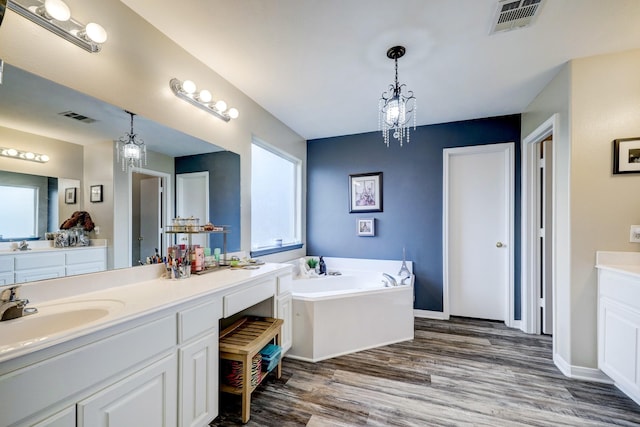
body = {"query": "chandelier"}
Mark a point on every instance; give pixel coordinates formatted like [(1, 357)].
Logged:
[(397, 108), (131, 149)]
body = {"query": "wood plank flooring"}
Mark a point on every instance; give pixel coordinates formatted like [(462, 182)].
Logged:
[(461, 372)]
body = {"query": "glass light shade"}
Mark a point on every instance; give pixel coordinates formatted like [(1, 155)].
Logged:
[(395, 111), (44, 158), (57, 9), (12, 152), (221, 105), (29, 155), (205, 96), (233, 113), (131, 151), (189, 86), (95, 32)]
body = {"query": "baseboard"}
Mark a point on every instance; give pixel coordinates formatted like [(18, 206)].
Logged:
[(580, 372), (427, 314)]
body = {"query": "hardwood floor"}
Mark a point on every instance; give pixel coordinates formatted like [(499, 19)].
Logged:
[(461, 372)]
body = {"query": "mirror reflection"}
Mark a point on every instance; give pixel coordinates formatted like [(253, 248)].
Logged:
[(76, 133)]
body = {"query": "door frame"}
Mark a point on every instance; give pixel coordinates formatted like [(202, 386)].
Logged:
[(529, 253), (508, 148), (165, 206)]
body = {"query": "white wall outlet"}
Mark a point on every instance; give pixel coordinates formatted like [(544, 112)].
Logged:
[(97, 230), (634, 234)]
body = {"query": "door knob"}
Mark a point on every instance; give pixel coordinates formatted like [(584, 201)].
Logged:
[(499, 245), (140, 239)]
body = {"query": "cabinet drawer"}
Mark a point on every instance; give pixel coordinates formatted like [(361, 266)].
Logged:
[(29, 261), (238, 301), (194, 321), (90, 267), (81, 256), (6, 263)]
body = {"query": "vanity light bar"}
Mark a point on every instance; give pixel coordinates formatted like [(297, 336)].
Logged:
[(23, 155), (187, 92), (55, 16)]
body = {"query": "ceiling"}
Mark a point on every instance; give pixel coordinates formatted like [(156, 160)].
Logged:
[(320, 66)]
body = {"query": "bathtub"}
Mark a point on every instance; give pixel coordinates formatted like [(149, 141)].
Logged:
[(337, 315)]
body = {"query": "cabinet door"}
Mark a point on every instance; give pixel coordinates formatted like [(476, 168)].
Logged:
[(284, 313), (146, 398), (198, 395), (64, 418)]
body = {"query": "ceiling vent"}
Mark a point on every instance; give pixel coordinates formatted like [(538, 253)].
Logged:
[(78, 117), (514, 14)]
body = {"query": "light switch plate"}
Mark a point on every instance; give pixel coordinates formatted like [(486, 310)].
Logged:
[(634, 234)]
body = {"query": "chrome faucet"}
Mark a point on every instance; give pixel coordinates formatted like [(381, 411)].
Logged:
[(391, 279), (11, 307)]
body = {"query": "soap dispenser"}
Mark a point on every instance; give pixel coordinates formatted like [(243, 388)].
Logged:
[(322, 267)]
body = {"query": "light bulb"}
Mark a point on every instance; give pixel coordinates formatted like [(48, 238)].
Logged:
[(221, 105), (44, 158), (205, 96), (12, 152), (233, 113), (57, 9), (189, 86), (131, 151), (29, 155), (95, 33)]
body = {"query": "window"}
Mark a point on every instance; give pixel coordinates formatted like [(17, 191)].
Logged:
[(276, 199), (18, 219)]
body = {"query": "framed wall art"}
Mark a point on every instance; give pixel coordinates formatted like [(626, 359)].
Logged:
[(70, 196), (365, 192), (366, 227), (626, 155), (95, 195)]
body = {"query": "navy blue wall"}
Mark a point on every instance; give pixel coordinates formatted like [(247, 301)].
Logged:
[(224, 191), (412, 197)]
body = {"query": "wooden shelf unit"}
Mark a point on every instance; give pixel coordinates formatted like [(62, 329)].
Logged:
[(241, 342)]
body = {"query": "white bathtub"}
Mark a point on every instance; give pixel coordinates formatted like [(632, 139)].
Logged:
[(336, 315)]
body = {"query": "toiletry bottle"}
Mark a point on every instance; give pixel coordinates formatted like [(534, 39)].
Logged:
[(323, 267)]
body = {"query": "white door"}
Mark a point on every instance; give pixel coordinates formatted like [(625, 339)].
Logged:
[(478, 231), (192, 200), (150, 193)]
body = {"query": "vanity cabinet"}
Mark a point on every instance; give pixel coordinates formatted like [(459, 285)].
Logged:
[(619, 330), (64, 418), (22, 267)]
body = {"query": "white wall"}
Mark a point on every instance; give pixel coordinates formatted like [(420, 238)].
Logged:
[(133, 71), (598, 99)]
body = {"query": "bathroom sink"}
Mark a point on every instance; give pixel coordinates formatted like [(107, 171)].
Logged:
[(53, 319)]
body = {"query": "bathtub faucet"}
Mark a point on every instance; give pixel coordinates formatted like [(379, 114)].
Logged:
[(391, 280)]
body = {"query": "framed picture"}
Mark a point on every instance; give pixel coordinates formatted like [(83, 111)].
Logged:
[(96, 194), (70, 196), (626, 155), (366, 226), (365, 192)]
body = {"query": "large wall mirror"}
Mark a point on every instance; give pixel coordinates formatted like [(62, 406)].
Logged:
[(77, 133)]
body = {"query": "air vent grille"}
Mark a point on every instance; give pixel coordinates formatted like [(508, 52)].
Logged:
[(78, 117), (514, 14)]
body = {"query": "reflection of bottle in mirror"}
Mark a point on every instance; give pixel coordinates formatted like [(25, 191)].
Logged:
[(322, 267)]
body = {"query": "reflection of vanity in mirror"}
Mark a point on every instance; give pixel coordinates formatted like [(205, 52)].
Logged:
[(77, 134)]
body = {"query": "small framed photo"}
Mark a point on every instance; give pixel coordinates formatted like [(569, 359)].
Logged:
[(626, 155), (365, 192), (366, 227), (70, 196), (95, 195)]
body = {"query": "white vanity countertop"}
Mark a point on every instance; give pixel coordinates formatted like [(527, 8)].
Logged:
[(125, 303), (38, 246), (620, 262)]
